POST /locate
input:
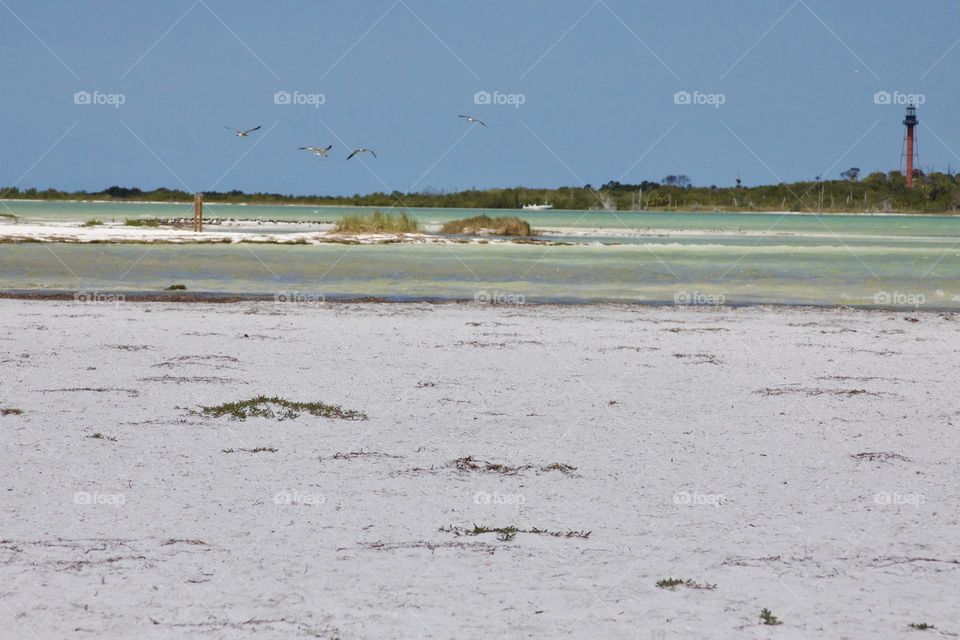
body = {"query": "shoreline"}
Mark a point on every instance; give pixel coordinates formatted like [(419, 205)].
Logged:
[(946, 214), (108, 297)]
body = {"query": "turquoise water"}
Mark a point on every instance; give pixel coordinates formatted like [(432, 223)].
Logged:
[(890, 261)]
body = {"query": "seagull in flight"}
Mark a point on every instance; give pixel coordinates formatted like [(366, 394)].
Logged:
[(243, 134), (473, 120), (318, 151), (362, 150)]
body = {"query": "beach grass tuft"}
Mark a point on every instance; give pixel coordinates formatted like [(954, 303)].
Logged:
[(767, 617), (279, 408), (505, 226), (11, 411), (92, 223), (100, 436), (176, 287), (921, 626), (141, 222), (378, 222)]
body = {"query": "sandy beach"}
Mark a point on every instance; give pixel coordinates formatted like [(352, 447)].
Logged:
[(798, 460)]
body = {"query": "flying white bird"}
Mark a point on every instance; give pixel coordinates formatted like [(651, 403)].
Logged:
[(362, 150), (473, 120), (243, 134), (318, 151)]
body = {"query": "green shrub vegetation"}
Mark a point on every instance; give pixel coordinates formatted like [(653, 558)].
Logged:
[(506, 226), (141, 222), (932, 193), (378, 222)]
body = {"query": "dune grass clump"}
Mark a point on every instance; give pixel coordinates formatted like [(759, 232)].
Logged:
[(92, 223), (506, 226), (279, 408), (141, 222), (378, 222)]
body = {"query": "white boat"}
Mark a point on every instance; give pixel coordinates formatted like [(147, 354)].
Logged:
[(537, 207)]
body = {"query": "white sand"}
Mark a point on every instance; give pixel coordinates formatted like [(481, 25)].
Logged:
[(686, 467)]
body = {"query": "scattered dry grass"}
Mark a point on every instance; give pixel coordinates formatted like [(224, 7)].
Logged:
[(879, 456), (508, 533), (469, 463)]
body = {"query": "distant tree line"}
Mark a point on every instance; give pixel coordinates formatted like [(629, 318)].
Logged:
[(933, 192)]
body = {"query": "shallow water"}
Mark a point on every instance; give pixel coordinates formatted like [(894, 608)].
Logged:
[(894, 261)]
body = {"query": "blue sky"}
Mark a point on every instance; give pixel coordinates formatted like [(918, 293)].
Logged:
[(596, 82)]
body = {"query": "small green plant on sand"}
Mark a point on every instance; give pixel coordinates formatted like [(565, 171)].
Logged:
[(669, 583), (176, 287), (672, 583), (921, 626), (92, 223), (378, 222), (141, 222), (274, 407), (99, 436), (767, 617)]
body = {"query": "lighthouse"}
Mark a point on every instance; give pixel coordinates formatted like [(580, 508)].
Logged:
[(910, 141)]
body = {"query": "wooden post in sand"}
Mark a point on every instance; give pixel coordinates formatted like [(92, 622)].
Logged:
[(198, 212)]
